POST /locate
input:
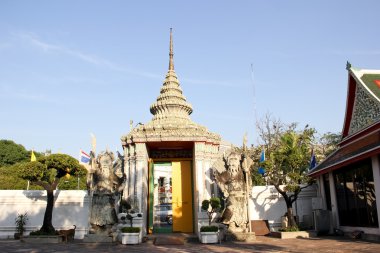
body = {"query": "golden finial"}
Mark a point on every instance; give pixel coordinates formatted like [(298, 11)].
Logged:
[(171, 62)]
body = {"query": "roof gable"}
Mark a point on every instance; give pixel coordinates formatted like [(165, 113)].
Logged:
[(363, 101), (372, 81)]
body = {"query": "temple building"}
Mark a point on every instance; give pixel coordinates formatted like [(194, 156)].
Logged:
[(349, 178), (168, 160)]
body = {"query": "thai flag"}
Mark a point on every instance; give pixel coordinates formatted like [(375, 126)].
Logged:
[(84, 158)]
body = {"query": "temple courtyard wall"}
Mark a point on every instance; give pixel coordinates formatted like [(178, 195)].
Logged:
[(72, 208), (267, 204)]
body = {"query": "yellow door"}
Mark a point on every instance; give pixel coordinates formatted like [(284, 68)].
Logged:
[(182, 197)]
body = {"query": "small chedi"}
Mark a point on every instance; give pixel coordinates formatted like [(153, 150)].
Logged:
[(232, 175), (106, 185)]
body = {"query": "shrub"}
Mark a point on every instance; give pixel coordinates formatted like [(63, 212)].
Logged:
[(209, 229), (289, 229), (130, 230), (20, 222), (211, 206)]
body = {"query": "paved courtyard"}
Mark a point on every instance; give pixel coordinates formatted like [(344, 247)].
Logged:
[(262, 244)]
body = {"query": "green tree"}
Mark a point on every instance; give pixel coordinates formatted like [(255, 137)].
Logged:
[(12, 153), (71, 183), (47, 172), (288, 153), (254, 153), (329, 143), (9, 179), (287, 166)]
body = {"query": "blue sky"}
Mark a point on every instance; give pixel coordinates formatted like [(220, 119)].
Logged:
[(71, 68)]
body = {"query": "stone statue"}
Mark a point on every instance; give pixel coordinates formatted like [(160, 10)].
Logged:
[(119, 180), (107, 184), (232, 180), (104, 176)]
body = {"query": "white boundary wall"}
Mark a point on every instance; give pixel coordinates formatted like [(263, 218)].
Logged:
[(70, 208), (267, 204)]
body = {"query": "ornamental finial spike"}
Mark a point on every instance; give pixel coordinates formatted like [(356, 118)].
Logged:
[(348, 65), (171, 54)]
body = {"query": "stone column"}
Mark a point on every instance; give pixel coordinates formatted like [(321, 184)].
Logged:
[(334, 203), (376, 180), (321, 191), (210, 156), (130, 165), (141, 184), (199, 181), (127, 171), (199, 173), (207, 172), (141, 187)]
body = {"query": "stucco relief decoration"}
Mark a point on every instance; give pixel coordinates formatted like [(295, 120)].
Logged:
[(366, 110)]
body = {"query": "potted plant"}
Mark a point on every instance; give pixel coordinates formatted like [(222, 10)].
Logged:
[(130, 235), (20, 222), (210, 234)]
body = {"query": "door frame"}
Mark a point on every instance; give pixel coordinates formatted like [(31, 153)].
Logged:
[(150, 196)]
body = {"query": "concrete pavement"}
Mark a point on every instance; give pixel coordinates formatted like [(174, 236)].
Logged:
[(262, 244)]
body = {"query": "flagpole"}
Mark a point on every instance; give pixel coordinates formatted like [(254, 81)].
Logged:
[(247, 178), (32, 159), (91, 193), (254, 103)]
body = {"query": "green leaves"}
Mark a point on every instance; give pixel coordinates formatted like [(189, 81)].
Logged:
[(292, 157), (209, 229), (12, 153), (33, 171), (211, 206), (214, 203), (48, 170)]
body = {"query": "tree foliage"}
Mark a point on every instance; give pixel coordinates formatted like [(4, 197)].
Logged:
[(329, 143), (211, 206), (288, 153), (12, 153), (47, 172), (9, 180)]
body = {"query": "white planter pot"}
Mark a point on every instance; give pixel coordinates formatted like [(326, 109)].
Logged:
[(209, 237), (130, 238)]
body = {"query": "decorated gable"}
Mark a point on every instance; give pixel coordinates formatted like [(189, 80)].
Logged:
[(366, 102)]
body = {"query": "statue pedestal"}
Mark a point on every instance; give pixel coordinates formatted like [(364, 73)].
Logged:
[(240, 236), (94, 238)]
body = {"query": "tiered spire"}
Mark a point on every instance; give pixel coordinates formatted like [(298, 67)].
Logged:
[(171, 103), (171, 54), (171, 120)]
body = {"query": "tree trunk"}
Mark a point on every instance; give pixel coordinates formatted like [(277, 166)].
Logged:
[(291, 220), (47, 225), (289, 208)]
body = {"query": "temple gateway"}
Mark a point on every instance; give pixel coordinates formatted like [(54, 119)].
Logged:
[(168, 160)]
